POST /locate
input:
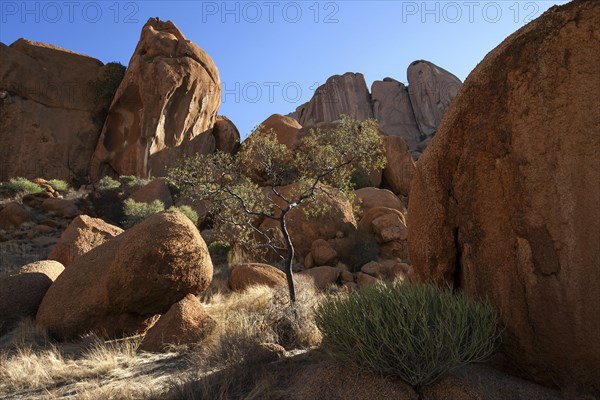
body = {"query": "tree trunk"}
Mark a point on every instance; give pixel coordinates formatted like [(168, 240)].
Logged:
[(289, 258)]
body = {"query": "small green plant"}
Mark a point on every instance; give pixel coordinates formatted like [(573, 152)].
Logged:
[(132, 181), (136, 212), (59, 185), (187, 211), (108, 183), (106, 85), (417, 332), (24, 185)]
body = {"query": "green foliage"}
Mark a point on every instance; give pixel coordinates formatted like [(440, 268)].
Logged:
[(132, 181), (108, 183), (360, 179), (59, 185), (417, 332), (321, 165), (106, 85), (187, 211), (23, 185), (359, 248), (136, 212)]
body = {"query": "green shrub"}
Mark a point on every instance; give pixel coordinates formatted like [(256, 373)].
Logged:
[(106, 85), (108, 183), (417, 332), (187, 211), (59, 185), (136, 212), (131, 181), (23, 185)]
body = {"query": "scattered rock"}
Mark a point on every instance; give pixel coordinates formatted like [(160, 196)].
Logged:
[(186, 322), (82, 235), (322, 252), (22, 292), (158, 189), (370, 197), (389, 228), (117, 288), (13, 215), (324, 276), (246, 275), (364, 280), (504, 202), (60, 207)]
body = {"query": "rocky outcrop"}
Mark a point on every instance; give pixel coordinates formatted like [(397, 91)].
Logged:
[(13, 215), (82, 235), (504, 203), (52, 106), (340, 95), (400, 167), (370, 197), (394, 111), (285, 128), (158, 189), (388, 226), (165, 107), (246, 275), (323, 277), (22, 292), (227, 136), (186, 322), (119, 287), (431, 90)]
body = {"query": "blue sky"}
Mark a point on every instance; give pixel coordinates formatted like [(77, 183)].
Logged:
[(272, 55)]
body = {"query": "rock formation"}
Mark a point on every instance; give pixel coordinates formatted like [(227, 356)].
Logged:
[(118, 288), (504, 203), (52, 106), (165, 107), (246, 275), (227, 136)]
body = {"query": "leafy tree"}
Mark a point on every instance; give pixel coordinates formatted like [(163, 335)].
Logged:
[(245, 189)]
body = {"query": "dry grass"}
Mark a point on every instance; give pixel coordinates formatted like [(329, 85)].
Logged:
[(34, 366)]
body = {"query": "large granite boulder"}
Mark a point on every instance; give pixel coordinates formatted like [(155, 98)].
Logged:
[(504, 202), (165, 107)]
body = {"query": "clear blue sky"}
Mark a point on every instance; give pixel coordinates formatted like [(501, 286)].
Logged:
[(283, 48)]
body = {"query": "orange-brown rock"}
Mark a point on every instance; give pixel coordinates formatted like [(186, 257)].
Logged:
[(246, 275), (504, 202), (400, 166), (389, 228), (158, 189), (431, 90), (322, 252), (50, 111), (82, 235), (323, 276), (186, 322), (393, 109), (60, 207), (340, 95), (118, 288), (227, 136), (165, 107), (13, 215), (370, 197), (364, 280), (21, 293), (285, 128)]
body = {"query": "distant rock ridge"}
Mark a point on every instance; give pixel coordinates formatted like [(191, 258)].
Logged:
[(412, 112)]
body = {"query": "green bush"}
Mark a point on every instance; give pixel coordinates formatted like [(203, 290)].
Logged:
[(108, 183), (188, 212), (23, 185), (131, 181), (59, 185), (417, 332), (136, 212)]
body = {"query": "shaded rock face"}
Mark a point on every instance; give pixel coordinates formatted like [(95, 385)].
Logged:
[(245, 275), (504, 203), (119, 287), (431, 90), (165, 106), (51, 114), (394, 111), (341, 94), (227, 136)]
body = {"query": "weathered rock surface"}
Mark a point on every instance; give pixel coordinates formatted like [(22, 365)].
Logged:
[(322, 252), (285, 128), (227, 136), (504, 203), (83, 234), (389, 229), (158, 189), (13, 215), (21, 293), (186, 322), (60, 207), (165, 106), (394, 111), (118, 287), (50, 112), (370, 197), (400, 166), (323, 276), (340, 95), (246, 275), (431, 90)]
